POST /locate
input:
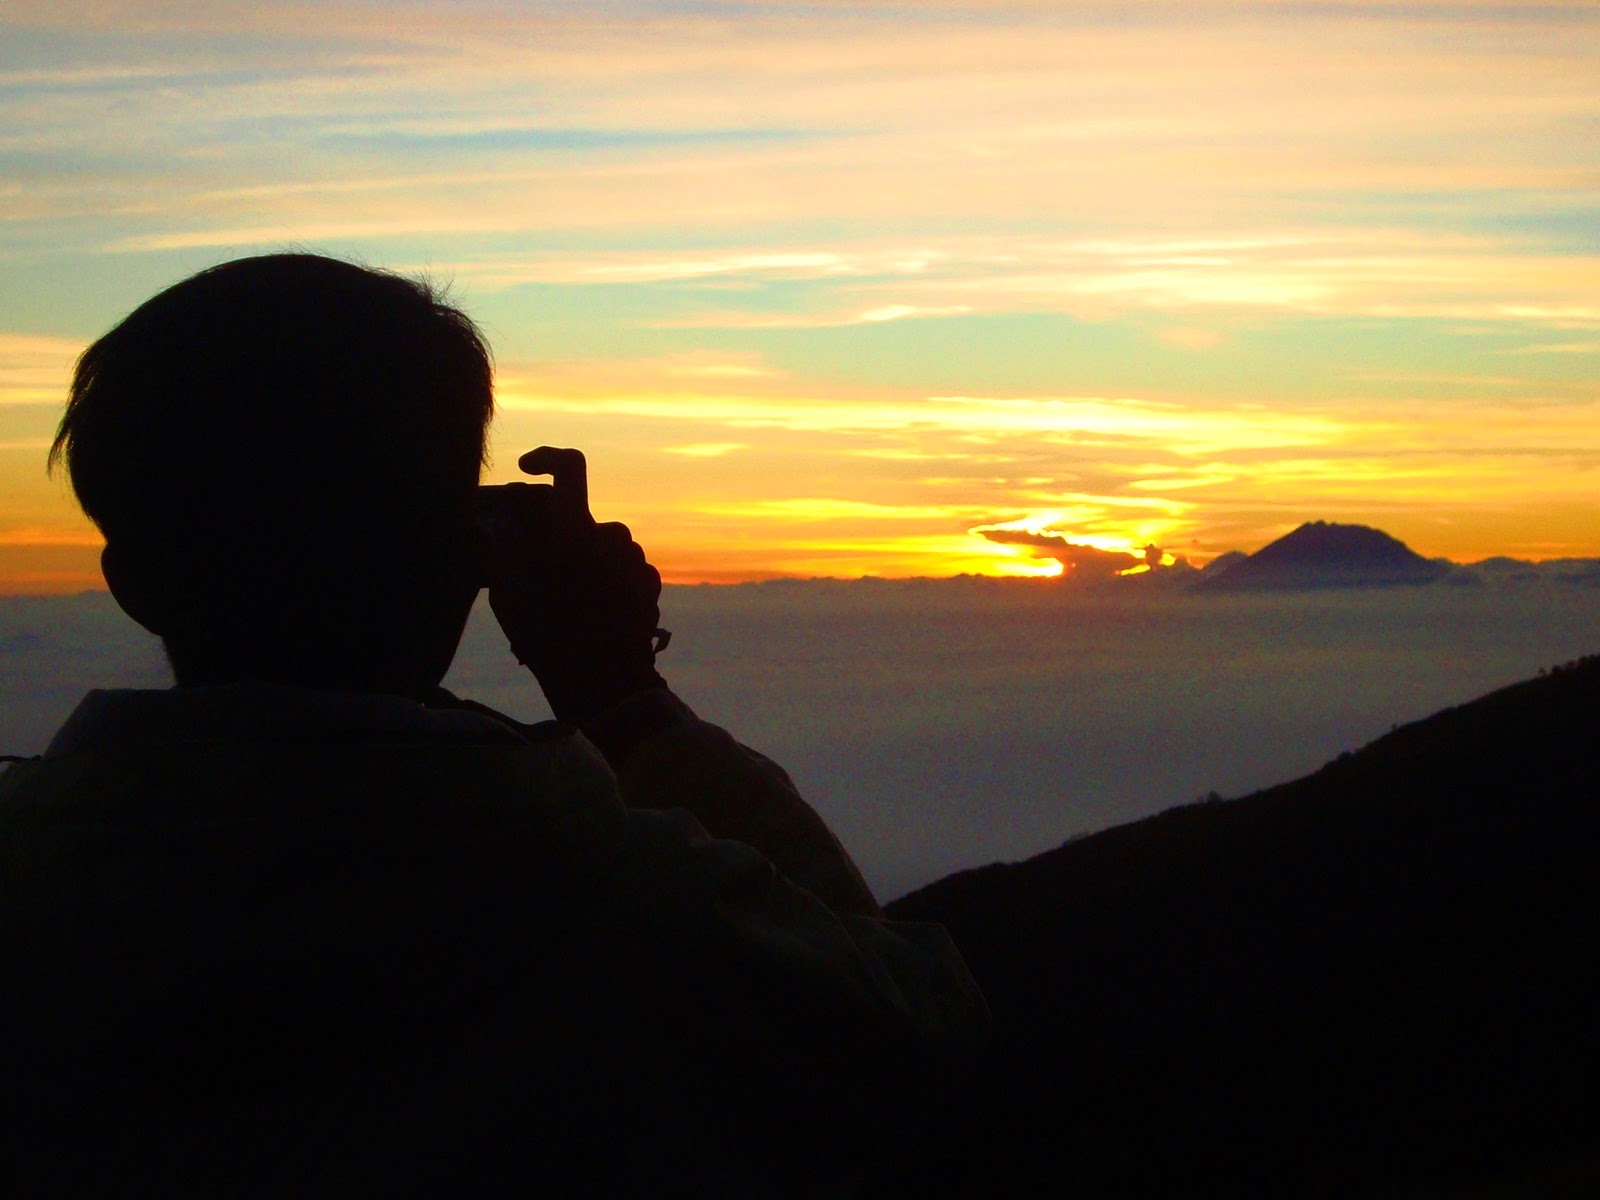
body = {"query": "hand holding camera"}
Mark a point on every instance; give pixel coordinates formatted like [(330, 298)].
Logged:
[(576, 598)]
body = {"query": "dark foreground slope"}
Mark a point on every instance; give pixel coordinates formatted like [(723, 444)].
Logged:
[(1380, 980)]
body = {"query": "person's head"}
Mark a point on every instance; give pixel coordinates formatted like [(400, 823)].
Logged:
[(283, 454)]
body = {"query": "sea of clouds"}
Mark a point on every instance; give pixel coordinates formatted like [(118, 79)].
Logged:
[(945, 724)]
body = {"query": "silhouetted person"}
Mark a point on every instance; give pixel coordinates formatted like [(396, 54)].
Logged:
[(305, 924)]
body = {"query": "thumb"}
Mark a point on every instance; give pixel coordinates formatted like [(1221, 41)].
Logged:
[(569, 473)]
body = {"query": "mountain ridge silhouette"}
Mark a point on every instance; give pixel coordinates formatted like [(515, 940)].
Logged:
[(1323, 554), (1378, 979)]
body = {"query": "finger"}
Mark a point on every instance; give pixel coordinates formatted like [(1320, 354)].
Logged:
[(616, 538), (570, 475), (615, 543)]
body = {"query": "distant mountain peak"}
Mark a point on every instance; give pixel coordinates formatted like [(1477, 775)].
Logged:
[(1326, 554)]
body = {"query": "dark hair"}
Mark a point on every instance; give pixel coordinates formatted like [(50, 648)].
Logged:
[(281, 437)]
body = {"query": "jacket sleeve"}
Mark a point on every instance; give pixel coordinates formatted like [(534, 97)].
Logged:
[(665, 757), (785, 1014), (823, 1032)]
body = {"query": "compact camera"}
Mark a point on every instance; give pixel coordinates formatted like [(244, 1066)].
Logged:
[(523, 515), (510, 513)]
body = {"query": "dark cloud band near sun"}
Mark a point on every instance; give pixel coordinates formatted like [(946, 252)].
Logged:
[(1081, 561)]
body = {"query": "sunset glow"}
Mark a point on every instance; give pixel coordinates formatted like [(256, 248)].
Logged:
[(834, 289)]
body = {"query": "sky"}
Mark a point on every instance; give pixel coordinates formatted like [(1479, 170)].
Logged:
[(837, 289)]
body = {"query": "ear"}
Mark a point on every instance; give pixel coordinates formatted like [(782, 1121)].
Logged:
[(135, 593)]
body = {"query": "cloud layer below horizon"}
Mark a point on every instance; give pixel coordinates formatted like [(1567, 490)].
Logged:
[(829, 289)]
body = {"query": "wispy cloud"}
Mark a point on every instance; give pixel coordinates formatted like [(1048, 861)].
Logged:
[(804, 263), (1350, 271), (1557, 348), (34, 369), (809, 510), (706, 449), (1177, 428), (870, 316)]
